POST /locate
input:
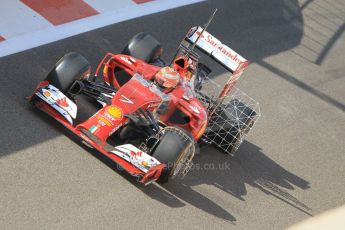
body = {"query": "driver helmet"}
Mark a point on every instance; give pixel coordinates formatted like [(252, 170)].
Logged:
[(167, 78)]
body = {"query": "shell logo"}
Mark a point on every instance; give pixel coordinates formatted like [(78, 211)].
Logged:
[(115, 112), (47, 93)]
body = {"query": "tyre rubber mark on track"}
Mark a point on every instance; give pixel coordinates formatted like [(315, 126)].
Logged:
[(61, 11)]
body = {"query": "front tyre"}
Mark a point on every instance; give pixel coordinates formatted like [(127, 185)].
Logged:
[(72, 66), (175, 149)]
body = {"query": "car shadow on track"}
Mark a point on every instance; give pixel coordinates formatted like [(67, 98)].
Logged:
[(231, 174)]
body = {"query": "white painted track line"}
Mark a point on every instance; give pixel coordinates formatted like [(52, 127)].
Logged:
[(103, 6), (47, 34), (18, 19)]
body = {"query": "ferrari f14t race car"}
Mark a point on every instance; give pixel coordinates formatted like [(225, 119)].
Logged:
[(154, 112)]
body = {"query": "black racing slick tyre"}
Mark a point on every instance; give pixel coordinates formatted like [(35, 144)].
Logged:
[(172, 149), (144, 47), (70, 67)]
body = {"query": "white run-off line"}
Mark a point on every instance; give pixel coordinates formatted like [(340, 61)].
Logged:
[(24, 29)]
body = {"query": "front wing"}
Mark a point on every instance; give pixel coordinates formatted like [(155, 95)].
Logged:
[(136, 162)]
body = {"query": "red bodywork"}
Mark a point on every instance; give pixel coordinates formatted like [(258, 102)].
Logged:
[(181, 97), (127, 100)]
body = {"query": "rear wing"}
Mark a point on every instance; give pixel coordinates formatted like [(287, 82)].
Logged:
[(224, 55), (209, 44)]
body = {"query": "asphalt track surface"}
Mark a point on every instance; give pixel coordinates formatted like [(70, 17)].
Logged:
[(290, 168)]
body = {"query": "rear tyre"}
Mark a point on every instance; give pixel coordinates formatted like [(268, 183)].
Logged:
[(70, 67), (144, 47), (174, 149)]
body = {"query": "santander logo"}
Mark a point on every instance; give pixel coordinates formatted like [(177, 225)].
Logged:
[(224, 49)]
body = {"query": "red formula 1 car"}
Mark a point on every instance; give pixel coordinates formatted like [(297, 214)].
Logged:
[(153, 112)]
